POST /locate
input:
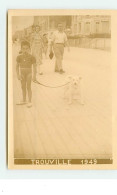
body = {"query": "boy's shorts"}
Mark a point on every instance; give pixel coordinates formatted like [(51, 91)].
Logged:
[(26, 74)]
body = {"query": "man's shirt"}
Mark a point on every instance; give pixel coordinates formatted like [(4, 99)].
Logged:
[(59, 37), (26, 61)]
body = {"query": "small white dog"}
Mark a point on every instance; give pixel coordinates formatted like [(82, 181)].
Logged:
[(73, 90)]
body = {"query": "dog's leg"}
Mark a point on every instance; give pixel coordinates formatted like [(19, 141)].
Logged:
[(65, 92), (70, 94), (81, 93)]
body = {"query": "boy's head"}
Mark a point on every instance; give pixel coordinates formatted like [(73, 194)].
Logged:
[(25, 47)]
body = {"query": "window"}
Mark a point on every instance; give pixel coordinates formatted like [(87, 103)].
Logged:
[(105, 26), (87, 27), (75, 28), (79, 27), (97, 25)]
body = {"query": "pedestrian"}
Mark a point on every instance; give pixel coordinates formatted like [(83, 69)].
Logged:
[(32, 35), (37, 47), (26, 65), (45, 43), (59, 41)]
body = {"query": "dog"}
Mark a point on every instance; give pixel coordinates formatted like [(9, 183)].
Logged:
[(73, 90)]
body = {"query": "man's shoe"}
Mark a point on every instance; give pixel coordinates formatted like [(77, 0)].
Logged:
[(29, 105), (56, 70), (62, 71)]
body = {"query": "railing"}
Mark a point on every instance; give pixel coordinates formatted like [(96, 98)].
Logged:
[(94, 43)]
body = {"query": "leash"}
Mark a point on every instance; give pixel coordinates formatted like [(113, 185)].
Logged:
[(50, 86)]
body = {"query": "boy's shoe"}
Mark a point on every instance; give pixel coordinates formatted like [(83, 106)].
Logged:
[(22, 103), (62, 71), (29, 105)]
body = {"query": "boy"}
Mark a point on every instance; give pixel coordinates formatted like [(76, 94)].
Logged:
[(25, 61)]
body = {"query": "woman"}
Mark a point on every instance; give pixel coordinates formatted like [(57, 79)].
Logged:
[(45, 42), (37, 47)]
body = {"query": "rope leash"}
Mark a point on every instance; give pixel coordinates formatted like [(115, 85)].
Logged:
[(50, 86)]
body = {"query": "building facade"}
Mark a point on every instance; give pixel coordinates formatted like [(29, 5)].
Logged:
[(86, 25), (49, 23), (78, 24), (73, 25)]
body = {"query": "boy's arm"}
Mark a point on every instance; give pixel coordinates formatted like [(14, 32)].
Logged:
[(17, 71), (34, 71)]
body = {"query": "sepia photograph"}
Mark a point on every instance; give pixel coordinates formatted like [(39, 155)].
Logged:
[(60, 112)]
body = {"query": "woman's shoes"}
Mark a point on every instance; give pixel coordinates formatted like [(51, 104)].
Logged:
[(41, 73), (21, 103)]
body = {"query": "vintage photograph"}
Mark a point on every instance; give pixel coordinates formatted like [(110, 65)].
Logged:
[(60, 90)]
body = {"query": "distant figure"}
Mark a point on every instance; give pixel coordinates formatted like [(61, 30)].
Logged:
[(25, 62), (50, 42), (45, 43), (32, 35), (37, 46), (33, 28), (59, 40)]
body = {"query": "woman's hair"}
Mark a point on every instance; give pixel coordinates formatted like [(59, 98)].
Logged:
[(38, 26), (33, 26)]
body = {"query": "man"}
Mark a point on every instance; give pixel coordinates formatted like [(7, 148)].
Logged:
[(59, 40)]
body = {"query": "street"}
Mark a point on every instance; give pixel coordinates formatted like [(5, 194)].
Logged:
[(53, 129)]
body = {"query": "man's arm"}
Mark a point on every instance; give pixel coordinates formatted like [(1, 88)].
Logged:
[(52, 42), (51, 46), (67, 43)]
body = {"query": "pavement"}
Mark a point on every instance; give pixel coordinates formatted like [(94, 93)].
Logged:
[(54, 129)]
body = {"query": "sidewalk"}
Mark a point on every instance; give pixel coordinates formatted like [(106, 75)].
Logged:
[(52, 128)]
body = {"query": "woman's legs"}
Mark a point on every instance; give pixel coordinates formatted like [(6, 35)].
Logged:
[(40, 69), (37, 53)]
